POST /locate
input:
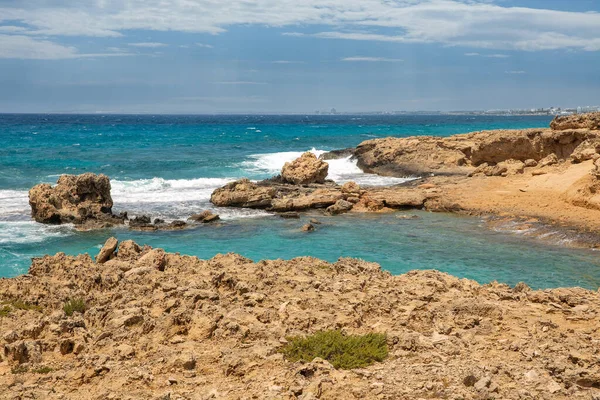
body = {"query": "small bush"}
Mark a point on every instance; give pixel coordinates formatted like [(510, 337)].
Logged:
[(42, 370), (19, 369), (343, 352), (8, 306), (74, 305), (22, 305), (5, 311)]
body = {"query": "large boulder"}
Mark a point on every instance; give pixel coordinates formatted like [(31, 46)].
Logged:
[(305, 169), (577, 121), (243, 193), (75, 199)]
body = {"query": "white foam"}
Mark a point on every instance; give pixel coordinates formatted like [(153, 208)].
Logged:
[(13, 202), (341, 170), (159, 190), (171, 199), (24, 232)]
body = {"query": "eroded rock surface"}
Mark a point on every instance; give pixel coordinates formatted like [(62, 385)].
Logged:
[(77, 199), (460, 154), (305, 169), (159, 325), (577, 121)]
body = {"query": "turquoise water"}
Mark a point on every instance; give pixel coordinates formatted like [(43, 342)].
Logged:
[(167, 166)]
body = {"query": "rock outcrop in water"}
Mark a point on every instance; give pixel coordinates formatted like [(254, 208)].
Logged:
[(146, 324), (304, 170), (78, 199)]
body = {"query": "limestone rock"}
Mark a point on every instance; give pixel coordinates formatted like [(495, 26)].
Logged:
[(340, 207), (214, 329), (305, 169), (243, 193), (576, 121), (205, 217), (551, 159), (128, 250), (308, 228), (587, 150), (74, 199), (107, 250)]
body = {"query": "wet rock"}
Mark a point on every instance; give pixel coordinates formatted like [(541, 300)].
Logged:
[(140, 221), (107, 250), (177, 224), (308, 228), (205, 217), (305, 169), (76, 199), (289, 215)]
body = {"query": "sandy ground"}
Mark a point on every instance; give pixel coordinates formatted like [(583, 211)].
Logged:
[(525, 196)]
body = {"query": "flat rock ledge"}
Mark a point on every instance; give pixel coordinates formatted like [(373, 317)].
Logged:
[(275, 195), (155, 325)]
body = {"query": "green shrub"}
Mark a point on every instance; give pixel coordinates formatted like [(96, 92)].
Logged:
[(74, 305), (343, 352), (19, 369), (42, 370), (4, 311), (8, 306), (22, 305)]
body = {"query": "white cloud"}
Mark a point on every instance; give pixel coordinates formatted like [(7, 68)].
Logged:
[(150, 45), (472, 54), (470, 23), (515, 72), (371, 59), (26, 47), (206, 46), (287, 62)]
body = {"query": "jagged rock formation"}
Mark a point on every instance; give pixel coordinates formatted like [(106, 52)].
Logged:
[(577, 121), (155, 325), (77, 199), (304, 170)]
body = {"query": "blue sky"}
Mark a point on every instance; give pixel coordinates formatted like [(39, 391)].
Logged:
[(204, 56)]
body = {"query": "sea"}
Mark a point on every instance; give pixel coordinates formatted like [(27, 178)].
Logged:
[(167, 167)]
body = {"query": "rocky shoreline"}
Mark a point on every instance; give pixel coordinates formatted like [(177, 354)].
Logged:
[(551, 175), (140, 323)]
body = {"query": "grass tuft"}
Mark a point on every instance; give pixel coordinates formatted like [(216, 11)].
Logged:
[(74, 305), (19, 369), (342, 351), (6, 307), (42, 370)]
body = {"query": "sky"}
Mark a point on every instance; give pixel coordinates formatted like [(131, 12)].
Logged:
[(297, 56)]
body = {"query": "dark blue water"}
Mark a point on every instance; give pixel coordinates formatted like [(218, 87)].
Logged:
[(168, 166)]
